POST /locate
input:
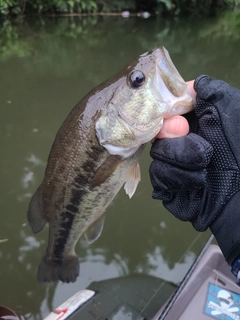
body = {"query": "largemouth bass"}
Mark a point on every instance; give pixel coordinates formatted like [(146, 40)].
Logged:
[(96, 152)]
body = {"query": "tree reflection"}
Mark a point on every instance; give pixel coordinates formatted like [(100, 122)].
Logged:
[(48, 40)]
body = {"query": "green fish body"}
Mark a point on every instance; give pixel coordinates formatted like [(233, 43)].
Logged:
[(96, 152)]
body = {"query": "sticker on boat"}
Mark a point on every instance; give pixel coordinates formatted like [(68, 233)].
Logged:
[(222, 304)]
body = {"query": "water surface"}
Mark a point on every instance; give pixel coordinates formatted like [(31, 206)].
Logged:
[(46, 67)]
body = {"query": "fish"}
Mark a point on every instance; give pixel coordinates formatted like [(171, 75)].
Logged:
[(96, 152)]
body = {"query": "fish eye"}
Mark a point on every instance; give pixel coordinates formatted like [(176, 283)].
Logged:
[(136, 78)]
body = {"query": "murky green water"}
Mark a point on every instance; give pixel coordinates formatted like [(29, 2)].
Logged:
[(46, 66)]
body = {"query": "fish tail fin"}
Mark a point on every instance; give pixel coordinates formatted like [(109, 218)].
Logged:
[(35, 214), (66, 270)]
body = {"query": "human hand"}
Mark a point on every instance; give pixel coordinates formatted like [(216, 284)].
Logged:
[(176, 126), (197, 176)]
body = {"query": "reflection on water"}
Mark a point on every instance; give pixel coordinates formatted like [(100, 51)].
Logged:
[(28, 178), (46, 67)]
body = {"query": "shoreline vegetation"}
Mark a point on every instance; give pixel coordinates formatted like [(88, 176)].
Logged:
[(126, 8)]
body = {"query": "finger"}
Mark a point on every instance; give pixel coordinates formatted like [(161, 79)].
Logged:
[(191, 152), (191, 87), (167, 178), (174, 127)]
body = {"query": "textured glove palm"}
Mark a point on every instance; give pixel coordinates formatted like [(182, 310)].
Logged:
[(198, 176)]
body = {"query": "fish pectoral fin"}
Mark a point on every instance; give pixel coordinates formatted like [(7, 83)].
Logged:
[(94, 231), (35, 214), (105, 170), (133, 180)]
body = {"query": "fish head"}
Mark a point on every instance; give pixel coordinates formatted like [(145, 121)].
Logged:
[(148, 91)]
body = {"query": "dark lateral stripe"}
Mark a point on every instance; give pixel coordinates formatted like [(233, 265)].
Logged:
[(81, 179), (67, 219), (78, 192), (65, 226), (77, 196), (94, 152), (72, 208), (88, 166), (105, 170)]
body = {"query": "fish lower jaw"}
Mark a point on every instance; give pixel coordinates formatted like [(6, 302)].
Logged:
[(180, 107), (121, 151)]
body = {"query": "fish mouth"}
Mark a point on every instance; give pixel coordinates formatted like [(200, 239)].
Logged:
[(170, 86), (169, 73)]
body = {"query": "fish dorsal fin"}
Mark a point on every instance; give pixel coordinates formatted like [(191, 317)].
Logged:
[(133, 179), (94, 231), (105, 170), (35, 214)]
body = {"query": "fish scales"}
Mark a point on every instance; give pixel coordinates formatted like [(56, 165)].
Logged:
[(96, 152)]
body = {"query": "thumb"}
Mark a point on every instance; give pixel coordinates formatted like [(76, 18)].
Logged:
[(174, 127)]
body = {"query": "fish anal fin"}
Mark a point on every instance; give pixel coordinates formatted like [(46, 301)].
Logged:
[(94, 231), (133, 179), (105, 170), (35, 214)]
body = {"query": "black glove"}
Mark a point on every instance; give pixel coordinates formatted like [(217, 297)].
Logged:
[(198, 176)]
